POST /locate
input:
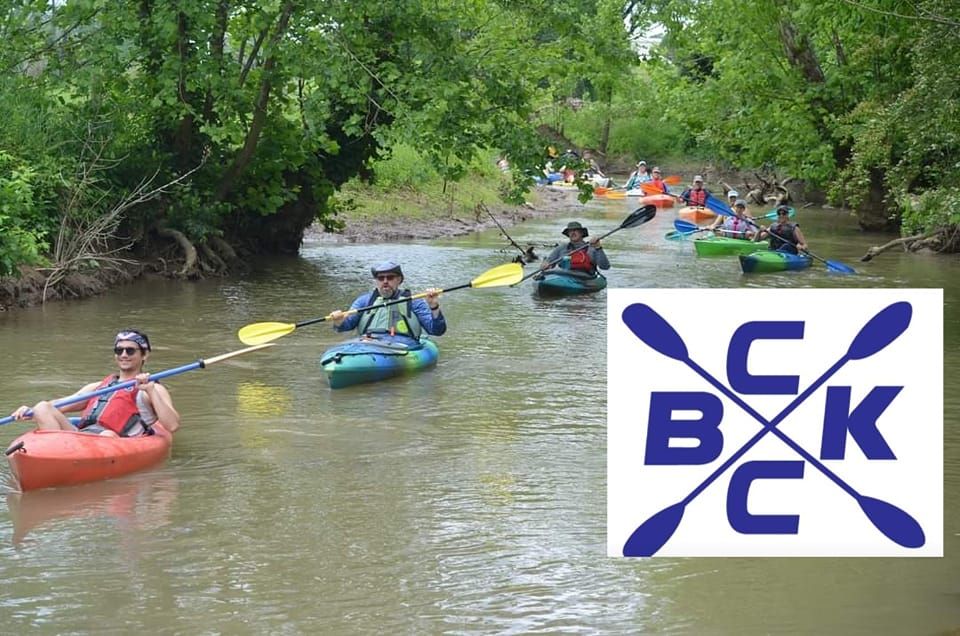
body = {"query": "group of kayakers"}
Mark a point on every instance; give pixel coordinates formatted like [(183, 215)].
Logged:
[(642, 175), (132, 412), (783, 235)]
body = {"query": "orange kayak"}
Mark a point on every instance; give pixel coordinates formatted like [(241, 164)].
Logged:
[(696, 214), (659, 200), (45, 459)]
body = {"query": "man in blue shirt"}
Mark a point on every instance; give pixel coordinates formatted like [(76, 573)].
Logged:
[(400, 322)]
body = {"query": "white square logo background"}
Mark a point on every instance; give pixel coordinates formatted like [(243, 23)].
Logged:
[(831, 521)]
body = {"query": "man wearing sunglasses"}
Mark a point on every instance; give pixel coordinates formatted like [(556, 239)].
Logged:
[(125, 413), (402, 322)]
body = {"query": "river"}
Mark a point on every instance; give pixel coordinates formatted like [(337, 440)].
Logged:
[(468, 499)]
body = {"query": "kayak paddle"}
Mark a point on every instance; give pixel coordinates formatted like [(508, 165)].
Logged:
[(258, 332), (637, 217), (199, 364), (683, 230)]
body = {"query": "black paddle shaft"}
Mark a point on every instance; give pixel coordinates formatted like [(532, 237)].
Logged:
[(385, 304), (638, 217)]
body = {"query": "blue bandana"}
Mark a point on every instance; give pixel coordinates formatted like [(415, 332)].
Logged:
[(133, 336)]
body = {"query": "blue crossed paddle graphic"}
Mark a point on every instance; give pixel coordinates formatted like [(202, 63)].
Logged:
[(885, 327)]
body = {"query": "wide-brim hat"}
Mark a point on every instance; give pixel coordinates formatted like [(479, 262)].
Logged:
[(575, 225)]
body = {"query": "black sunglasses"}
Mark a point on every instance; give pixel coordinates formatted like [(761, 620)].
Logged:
[(127, 350), (382, 277)]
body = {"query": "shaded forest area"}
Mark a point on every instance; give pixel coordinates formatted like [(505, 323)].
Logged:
[(181, 137)]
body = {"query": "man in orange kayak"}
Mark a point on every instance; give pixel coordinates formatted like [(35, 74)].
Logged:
[(125, 413), (696, 195)]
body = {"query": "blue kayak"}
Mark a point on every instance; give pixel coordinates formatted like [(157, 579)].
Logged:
[(365, 359), (565, 282), (773, 261)]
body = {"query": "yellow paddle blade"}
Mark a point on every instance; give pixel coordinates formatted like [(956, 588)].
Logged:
[(614, 195), (260, 332), (507, 274)]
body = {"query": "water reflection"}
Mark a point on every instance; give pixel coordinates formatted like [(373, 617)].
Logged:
[(130, 505)]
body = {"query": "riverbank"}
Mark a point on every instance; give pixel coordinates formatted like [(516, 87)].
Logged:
[(439, 223), (430, 221)]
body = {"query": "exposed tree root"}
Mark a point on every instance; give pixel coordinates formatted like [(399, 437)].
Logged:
[(190, 267), (931, 240), (225, 250)]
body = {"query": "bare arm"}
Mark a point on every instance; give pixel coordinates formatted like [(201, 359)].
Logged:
[(161, 403), (801, 241)]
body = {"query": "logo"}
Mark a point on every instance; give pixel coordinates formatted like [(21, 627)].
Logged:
[(775, 422)]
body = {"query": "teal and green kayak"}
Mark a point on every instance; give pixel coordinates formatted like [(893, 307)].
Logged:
[(724, 246), (367, 359), (566, 282), (773, 261)]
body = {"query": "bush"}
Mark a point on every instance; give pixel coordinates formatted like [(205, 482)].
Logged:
[(21, 241), (404, 168), (932, 210)]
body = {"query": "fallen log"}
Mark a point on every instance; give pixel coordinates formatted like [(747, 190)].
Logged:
[(907, 242)]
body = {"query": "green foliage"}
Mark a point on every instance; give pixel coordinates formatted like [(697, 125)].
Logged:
[(18, 213), (933, 210), (403, 168)]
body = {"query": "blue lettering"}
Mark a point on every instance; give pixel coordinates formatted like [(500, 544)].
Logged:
[(740, 380), (746, 523), (861, 423), (662, 428)]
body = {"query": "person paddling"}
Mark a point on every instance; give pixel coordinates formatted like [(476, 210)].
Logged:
[(784, 236), (696, 195), (657, 183), (570, 256), (401, 323), (124, 413), (740, 225), (638, 176)]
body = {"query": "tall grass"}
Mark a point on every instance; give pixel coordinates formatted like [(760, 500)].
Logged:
[(406, 186)]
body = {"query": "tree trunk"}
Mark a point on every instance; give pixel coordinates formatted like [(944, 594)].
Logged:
[(605, 132), (243, 158), (282, 233), (872, 212)]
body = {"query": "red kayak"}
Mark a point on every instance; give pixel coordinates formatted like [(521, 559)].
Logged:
[(44, 459)]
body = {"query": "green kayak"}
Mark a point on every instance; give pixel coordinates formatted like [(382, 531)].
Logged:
[(724, 246)]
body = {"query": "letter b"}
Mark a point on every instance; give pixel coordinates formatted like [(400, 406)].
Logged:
[(661, 428)]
